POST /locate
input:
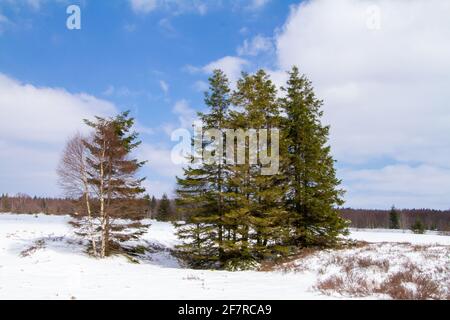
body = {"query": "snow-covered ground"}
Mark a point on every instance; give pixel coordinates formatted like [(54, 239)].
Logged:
[(386, 235), (40, 257)]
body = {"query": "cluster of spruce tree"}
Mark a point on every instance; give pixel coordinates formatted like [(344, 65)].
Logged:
[(238, 217)]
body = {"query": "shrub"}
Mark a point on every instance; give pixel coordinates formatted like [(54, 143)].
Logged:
[(418, 227)]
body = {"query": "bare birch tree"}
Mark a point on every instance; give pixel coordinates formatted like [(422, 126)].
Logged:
[(73, 179)]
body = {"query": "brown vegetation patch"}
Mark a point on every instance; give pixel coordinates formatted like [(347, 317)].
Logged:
[(410, 285), (37, 245), (287, 264)]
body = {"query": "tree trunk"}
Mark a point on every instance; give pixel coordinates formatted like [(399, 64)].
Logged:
[(88, 208), (102, 205)]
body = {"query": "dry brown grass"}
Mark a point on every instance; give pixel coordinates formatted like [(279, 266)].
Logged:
[(410, 285), (367, 262), (37, 245), (351, 284), (397, 271), (399, 279), (287, 264), (349, 264), (331, 284), (420, 248)]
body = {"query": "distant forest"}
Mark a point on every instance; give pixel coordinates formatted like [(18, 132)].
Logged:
[(360, 218), (375, 219)]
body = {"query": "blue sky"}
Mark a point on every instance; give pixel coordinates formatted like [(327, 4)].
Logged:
[(128, 50), (381, 68)]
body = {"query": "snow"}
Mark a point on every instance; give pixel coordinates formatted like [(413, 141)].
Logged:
[(41, 258), (162, 233), (386, 235)]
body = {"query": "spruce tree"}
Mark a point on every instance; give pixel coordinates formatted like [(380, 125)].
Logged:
[(314, 193), (164, 209), (260, 207), (394, 220), (147, 202), (200, 193), (112, 174), (153, 205), (418, 227)]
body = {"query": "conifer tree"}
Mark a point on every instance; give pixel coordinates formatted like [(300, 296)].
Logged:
[(201, 190), (237, 214), (261, 206), (112, 176), (147, 203), (164, 209), (394, 220), (99, 172), (153, 205), (308, 167), (418, 227)]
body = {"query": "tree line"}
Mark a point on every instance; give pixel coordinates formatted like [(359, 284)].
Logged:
[(25, 204), (438, 220), (163, 209)]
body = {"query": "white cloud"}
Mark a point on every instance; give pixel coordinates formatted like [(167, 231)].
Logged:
[(164, 86), (191, 69), (130, 27), (35, 4), (158, 187), (385, 89), (159, 156), (167, 27), (186, 115), (34, 125), (175, 7), (201, 86), (28, 169), (159, 160), (143, 6), (3, 19), (109, 91), (403, 185), (244, 30), (122, 92), (231, 66), (201, 7), (258, 4), (4, 22), (185, 118), (255, 46), (42, 114)]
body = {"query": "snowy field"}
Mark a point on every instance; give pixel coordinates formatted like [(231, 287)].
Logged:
[(40, 258)]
